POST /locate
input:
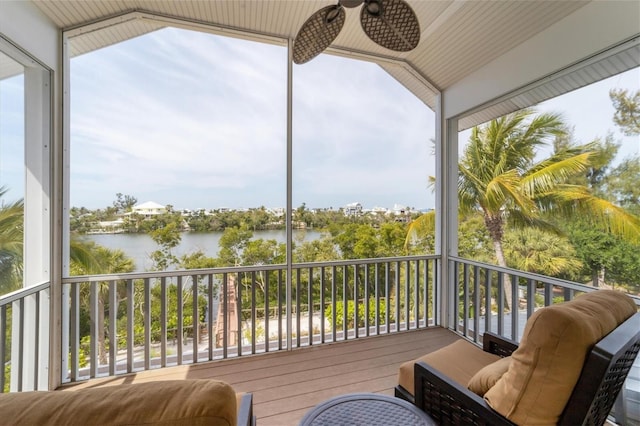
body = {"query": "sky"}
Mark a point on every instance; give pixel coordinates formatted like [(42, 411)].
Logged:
[(199, 121)]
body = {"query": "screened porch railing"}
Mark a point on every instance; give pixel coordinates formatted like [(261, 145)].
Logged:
[(124, 323), (24, 339)]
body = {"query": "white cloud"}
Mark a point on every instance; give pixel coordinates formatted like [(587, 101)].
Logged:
[(177, 112)]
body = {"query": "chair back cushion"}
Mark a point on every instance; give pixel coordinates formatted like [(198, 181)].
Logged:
[(170, 402), (547, 364)]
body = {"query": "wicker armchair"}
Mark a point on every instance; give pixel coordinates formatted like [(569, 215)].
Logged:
[(600, 381)]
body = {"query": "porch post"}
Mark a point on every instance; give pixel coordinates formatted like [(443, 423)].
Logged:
[(289, 208), (35, 349), (446, 210)]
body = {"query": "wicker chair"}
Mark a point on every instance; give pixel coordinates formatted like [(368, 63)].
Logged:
[(602, 376)]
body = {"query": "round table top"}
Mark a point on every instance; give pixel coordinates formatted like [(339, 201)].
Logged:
[(366, 409)]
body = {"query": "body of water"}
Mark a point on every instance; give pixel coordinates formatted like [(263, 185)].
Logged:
[(139, 246)]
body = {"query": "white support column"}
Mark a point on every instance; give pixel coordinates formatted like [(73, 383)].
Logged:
[(289, 209), (63, 233), (37, 220), (446, 209)]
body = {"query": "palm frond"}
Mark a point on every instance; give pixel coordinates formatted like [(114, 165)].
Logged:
[(423, 224), (552, 172)]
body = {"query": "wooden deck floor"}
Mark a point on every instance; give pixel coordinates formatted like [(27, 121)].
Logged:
[(286, 384)]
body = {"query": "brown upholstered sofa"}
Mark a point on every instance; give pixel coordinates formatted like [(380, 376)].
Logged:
[(170, 402), (567, 369)]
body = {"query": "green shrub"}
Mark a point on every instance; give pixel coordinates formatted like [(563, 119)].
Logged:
[(350, 313)]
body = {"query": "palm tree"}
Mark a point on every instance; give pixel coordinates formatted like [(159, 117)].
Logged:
[(500, 176), (88, 258), (11, 244)]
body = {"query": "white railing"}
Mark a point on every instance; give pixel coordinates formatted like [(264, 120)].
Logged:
[(24, 339), (124, 323), (479, 306), (480, 297)]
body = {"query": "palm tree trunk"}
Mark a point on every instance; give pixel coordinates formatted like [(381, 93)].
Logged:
[(508, 293), (597, 277), (102, 347), (494, 225)]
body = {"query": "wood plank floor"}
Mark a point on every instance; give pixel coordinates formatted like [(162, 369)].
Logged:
[(287, 384)]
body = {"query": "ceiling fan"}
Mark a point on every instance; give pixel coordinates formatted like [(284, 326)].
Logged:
[(389, 23)]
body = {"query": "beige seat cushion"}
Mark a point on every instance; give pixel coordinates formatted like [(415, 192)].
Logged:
[(484, 379), (459, 360), (174, 402), (546, 366)]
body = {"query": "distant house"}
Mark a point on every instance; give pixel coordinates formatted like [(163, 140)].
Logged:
[(353, 209), (149, 209)]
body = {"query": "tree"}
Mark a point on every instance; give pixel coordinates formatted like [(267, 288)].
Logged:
[(11, 244), (621, 184), (500, 176), (541, 252), (167, 238), (124, 203), (88, 258), (232, 243), (627, 106)]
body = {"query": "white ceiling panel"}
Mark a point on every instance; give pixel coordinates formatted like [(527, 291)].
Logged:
[(458, 36)]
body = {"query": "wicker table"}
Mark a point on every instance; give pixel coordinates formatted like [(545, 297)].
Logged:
[(366, 409)]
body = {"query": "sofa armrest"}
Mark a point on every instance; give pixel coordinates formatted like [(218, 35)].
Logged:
[(447, 402), (498, 345), (245, 410)]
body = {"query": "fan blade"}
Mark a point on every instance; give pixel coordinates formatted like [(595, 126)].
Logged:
[(391, 24), (317, 33)]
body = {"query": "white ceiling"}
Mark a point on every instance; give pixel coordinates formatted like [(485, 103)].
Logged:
[(458, 36)]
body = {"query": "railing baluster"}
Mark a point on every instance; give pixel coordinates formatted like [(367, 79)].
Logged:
[(267, 311), (74, 331), (465, 300), (298, 307), (36, 345), (548, 294), (425, 290), (345, 303), (210, 331), (436, 293), (310, 305), (130, 337), (377, 296), (515, 311), (21, 344), (3, 344), (147, 324), (355, 301), (238, 284), (225, 322), (456, 293), (322, 298), (501, 303), (334, 299), (531, 296), (180, 320), (163, 322), (407, 294), (397, 294), (476, 303), (387, 290), (113, 319), (280, 309), (366, 299), (94, 328), (416, 292), (487, 302), (253, 312), (195, 318)]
